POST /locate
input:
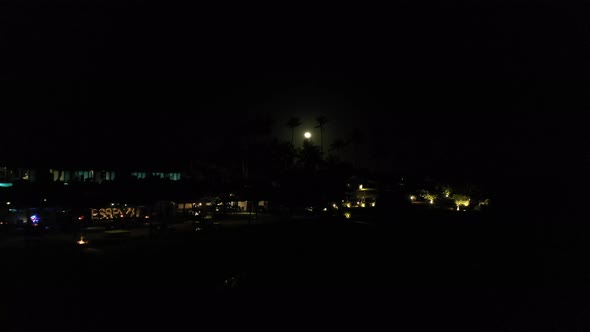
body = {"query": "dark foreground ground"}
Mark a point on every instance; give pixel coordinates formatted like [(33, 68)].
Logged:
[(444, 273)]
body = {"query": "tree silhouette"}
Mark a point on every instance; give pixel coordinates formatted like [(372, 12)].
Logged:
[(293, 123), (338, 145), (282, 155), (322, 120), (310, 156)]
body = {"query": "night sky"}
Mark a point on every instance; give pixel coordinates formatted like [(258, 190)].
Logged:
[(477, 86)]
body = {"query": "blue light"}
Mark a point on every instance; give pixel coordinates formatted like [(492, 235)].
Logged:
[(35, 219), (5, 184)]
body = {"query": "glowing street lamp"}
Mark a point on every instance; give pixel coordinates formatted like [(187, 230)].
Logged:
[(307, 135)]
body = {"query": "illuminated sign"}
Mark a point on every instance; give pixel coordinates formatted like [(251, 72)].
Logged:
[(114, 213)]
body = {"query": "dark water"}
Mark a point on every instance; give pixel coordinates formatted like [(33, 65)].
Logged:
[(476, 274)]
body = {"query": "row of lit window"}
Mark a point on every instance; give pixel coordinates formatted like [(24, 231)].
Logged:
[(161, 175), (64, 176)]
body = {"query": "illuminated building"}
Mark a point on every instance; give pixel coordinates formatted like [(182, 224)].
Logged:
[(8, 175), (363, 197), (174, 176), (107, 175), (11, 174)]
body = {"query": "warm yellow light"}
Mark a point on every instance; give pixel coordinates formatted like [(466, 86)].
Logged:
[(347, 215), (363, 205), (413, 198), (307, 135), (361, 187), (348, 205), (462, 200), (431, 201), (373, 204)]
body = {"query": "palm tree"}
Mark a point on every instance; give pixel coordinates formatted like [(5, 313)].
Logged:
[(322, 120), (293, 123), (338, 145), (310, 156), (282, 155)]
